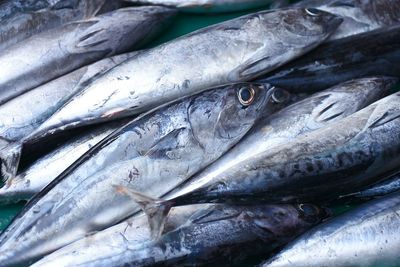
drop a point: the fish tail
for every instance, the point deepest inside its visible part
(10, 156)
(156, 210)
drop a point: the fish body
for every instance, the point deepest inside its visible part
(310, 114)
(27, 23)
(152, 153)
(207, 6)
(56, 52)
(232, 51)
(320, 165)
(197, 235)
(358, 15)
(44, 170)
(366, 236)
(362, 55)
(23, 114)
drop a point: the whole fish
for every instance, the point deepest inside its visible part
(26, 24)
(235, 50)
(214, 234)
(153, 153)
(59, 51)
(358, 15)
(386, 187)
(300, 118)
(44, 170)
(362, 55)
(208, 6)
(339, 158)
(23, 114)
(366, 236)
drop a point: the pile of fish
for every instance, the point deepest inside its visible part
(227, 146)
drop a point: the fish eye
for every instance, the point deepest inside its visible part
(246, 96)
(279, 96)
(308, 210)
(313, 12)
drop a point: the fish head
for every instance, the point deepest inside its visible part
(308, 24)
(225, 114)
(287, 219)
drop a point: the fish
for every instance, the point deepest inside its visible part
(321, 165)
(232, 51)
(213, 234)
(45, 169)
(29, 22)
(61, 50)
(153, 153)
(358, 15)
(365, 236)
(47, 98)
(362, 55)
(207, 6)
(387, 186)
(23, 114)
(304, 116)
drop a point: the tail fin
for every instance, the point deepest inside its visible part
(156, 210)
(9, 157)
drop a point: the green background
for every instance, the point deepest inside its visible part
(183, 24)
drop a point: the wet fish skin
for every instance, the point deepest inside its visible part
(319, 166)
(162, 148)
(26, 24)
(23, 114)
(358, 15)
(310, 114)
(386, 187)
(212, 234)
(56, 52)
(114, 240)
(44, 170)
(369, 54)
(11, 7)
(207, 6)
(369, 234)
(248, 46)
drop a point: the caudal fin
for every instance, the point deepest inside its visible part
(156, 210)
(10, 156)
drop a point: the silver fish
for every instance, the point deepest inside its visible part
(358, 15)
(23, 114)
(56, 52)
(307, 115)
(362, 55)
(116, 240)
(214, 234)
(153, 153)
(339, 158)
(26, 24)
(44, 170)
(235, 50)
(367, 236)
(207, 6)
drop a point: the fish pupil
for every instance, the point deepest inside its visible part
(245, 95)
